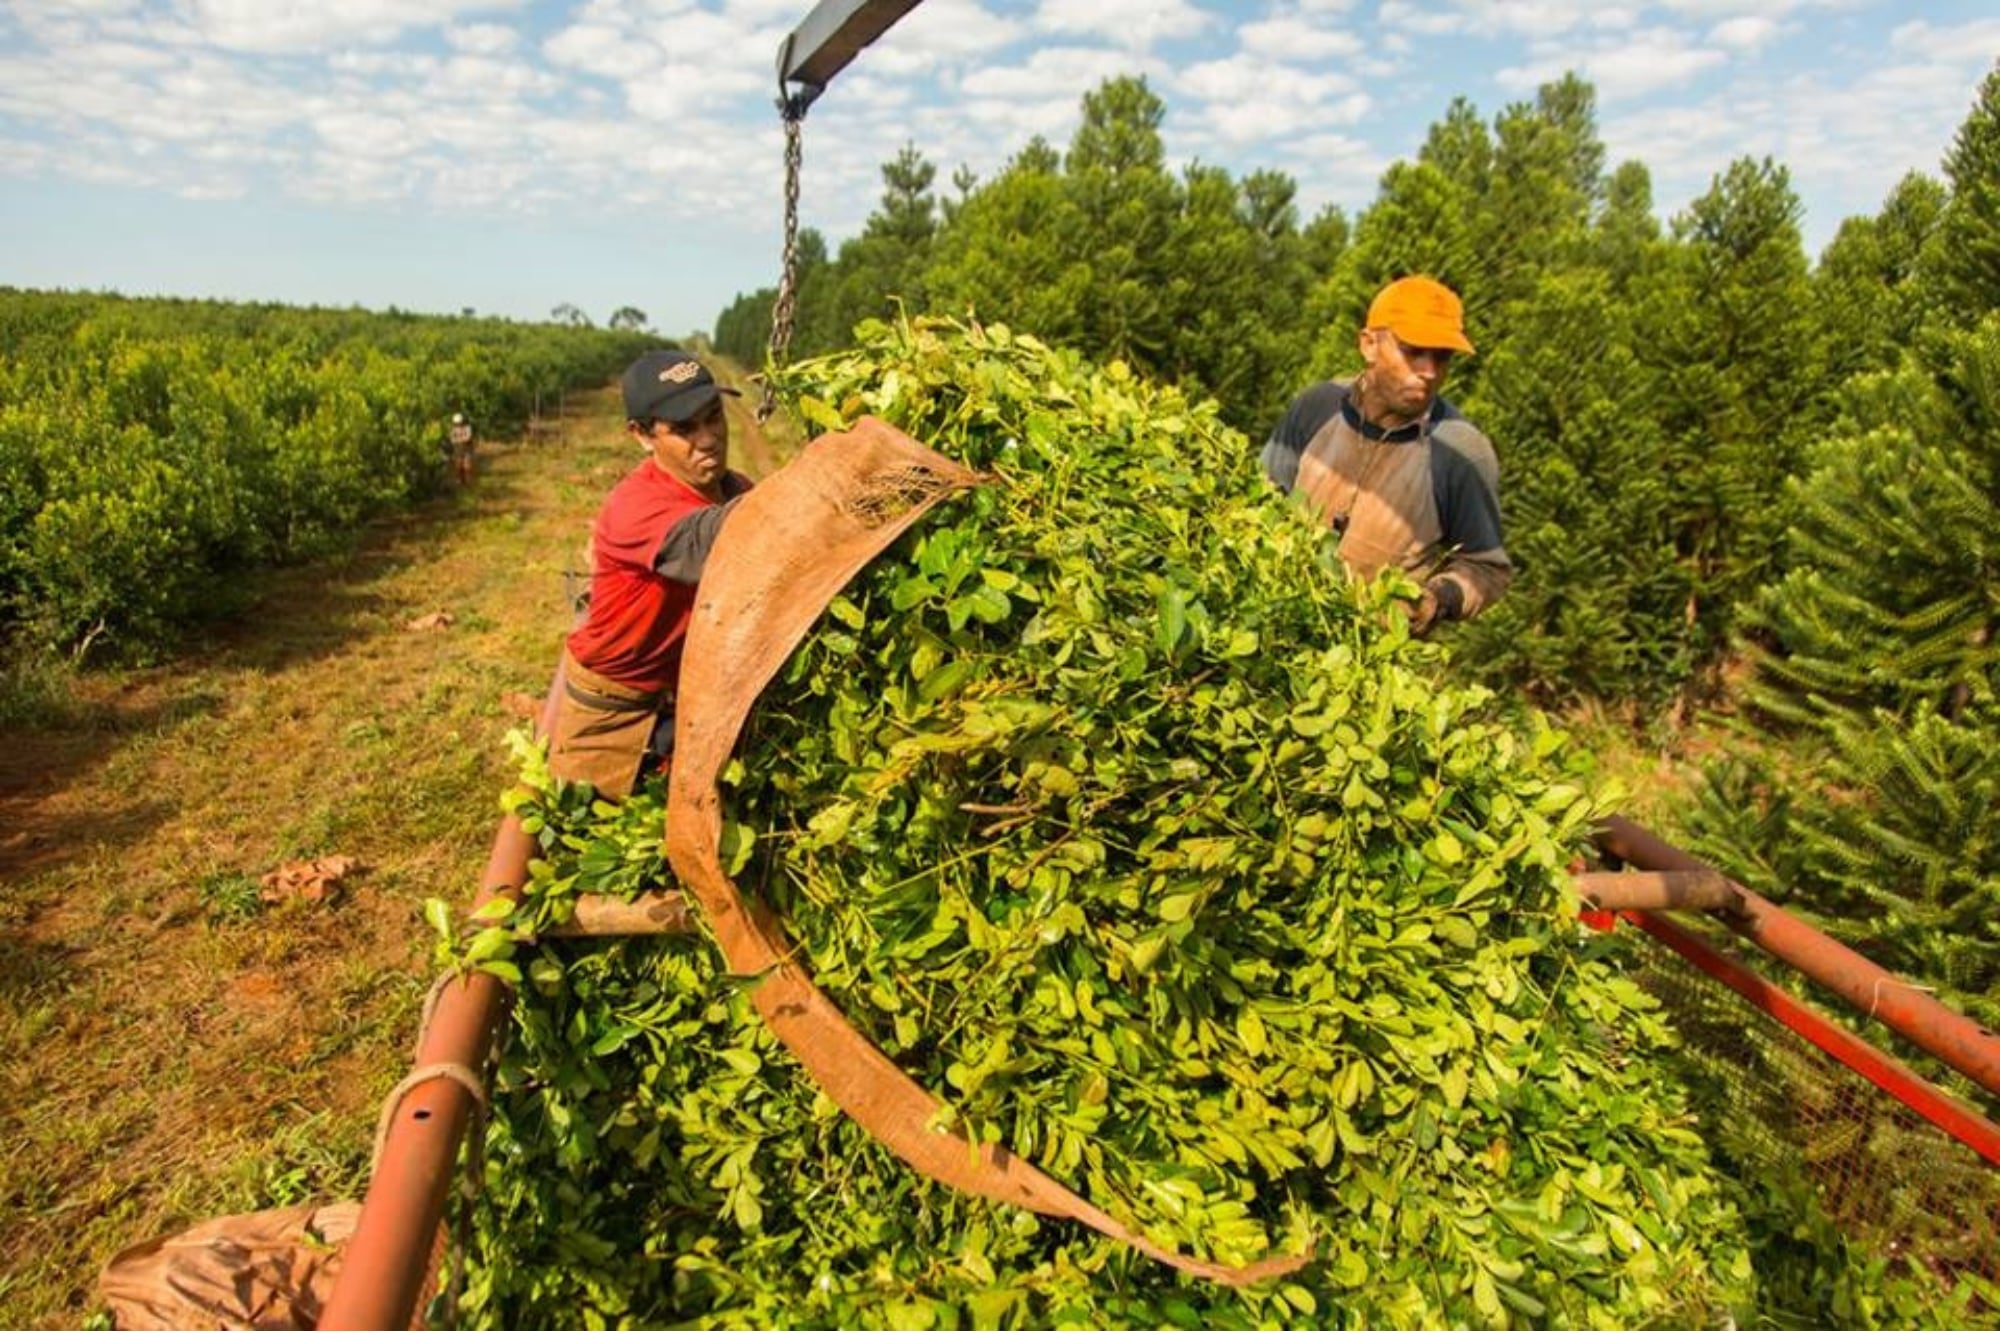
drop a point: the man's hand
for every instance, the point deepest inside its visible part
(1442, 600)
(1423, 613)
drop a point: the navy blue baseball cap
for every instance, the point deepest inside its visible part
(669, 385)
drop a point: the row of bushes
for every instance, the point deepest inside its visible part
(151, 449)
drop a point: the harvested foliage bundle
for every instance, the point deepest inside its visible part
(1116, 816)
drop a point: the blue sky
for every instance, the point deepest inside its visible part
(439, 154)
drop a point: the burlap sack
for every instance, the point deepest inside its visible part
(271, 1270)
(793, 543)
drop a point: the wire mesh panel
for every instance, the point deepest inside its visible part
(1785, 1110)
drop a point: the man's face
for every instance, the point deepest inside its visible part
(696, 451)
(1406, 378)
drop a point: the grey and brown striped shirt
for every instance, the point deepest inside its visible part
(1424, 497)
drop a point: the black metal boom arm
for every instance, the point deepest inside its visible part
(831, 36)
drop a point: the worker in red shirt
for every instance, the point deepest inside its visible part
(615, 714)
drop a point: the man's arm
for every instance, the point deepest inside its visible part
(683, 552)
(1465, 477)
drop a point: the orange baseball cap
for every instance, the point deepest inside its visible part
(1423, 312)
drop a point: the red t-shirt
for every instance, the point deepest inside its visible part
(638, 617)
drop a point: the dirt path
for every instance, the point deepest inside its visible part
(170, 1050)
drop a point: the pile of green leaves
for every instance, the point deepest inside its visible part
(1118, 818)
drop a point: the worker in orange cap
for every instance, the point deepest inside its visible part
(1395, 469)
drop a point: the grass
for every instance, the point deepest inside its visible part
(172, 1048)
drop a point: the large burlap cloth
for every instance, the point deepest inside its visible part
(791, 545)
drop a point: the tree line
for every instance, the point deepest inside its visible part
(1731, 476)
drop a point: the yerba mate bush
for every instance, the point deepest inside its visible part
(1111, 812)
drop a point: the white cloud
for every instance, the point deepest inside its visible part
(129, 56)
(597, 48)
(1056, 73)
(941, 33)
(483, 39)
(479, 78)
(264, 26)
(1744, 34)
(1135, 24)
(661, 108)
(764, 13)
(351, 132)
(1292, 38)
(1243, 100)
(1636, 64)
(1333, 169)
(1974, 44)
(1845, 142)
(1495, 18)
(1703, 10)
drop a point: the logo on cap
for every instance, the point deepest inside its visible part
(680, 372)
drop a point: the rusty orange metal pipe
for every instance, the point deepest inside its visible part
(382, 1270)
(1872, 990)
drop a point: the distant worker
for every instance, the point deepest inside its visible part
(1396, 470)
(648, 547)
(461, 448)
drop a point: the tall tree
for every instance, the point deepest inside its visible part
(1875, 798)
(1004, 255)
(1124, 204)
(1626, 233)
(1543, 186)
(1725, 319)
(1868, 290)
(1235, 274)
(1461, 147)
(1597, 610)
(1966, 255)
(743, 329)
(884, 265)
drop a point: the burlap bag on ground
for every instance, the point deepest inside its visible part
(272, 1269)
(791, 545)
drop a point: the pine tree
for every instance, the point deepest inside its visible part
(1544, 182)
(1004, 257)
(884, 266)
(1724, 319)
(1124, 205)
(1966, 256)
(1891, 603)
(1234, 275)
(1596, 610)
(743, 328)
(1868, 291)
(1625, 237)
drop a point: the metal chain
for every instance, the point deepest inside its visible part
(784, 309)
